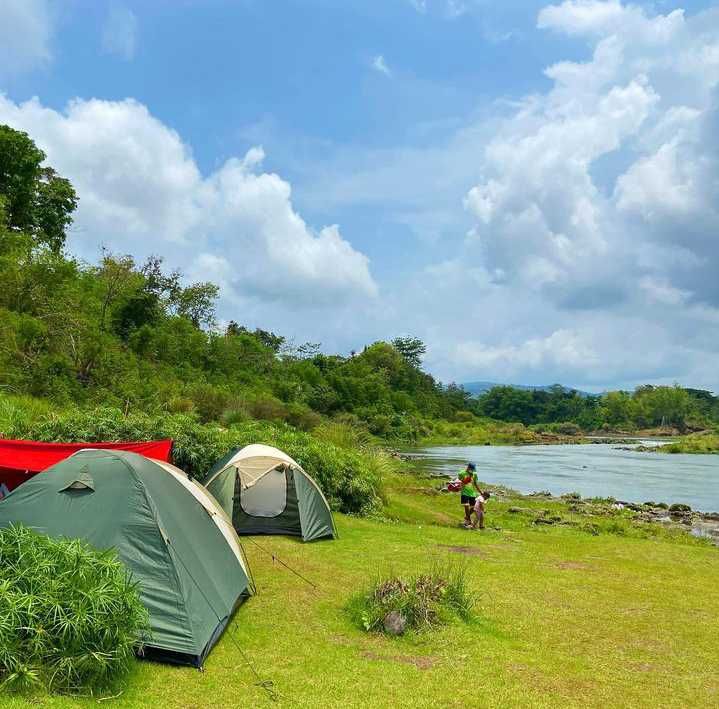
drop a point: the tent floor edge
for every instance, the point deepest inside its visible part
(170, 657)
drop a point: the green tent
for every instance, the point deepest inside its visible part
(264, 491)
(171, 534)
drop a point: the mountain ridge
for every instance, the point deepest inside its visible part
(480, 387)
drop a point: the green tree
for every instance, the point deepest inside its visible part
(35, 199)
(411, 348)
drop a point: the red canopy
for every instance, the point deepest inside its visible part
(20, 460)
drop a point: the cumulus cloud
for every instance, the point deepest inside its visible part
(141, 191)
(25, 32)
(601, 195)
(542, 217)
(119, 35)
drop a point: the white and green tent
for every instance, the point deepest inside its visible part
(264, 491)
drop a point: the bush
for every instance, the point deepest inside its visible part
(267, 408)
(424, 601)
(351, 479)
(209, 402)
(568, 428)
(303, 417)
(70, 617)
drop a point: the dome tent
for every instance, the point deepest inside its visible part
(174, 538)
(264, 491)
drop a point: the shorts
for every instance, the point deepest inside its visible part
(467, 500)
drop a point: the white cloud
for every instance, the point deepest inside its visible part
(580, 17)
(563, 349)
(141, 191)
(450, 9)
(119, 35)
(593, 253)
(380, 65)
(25, 32)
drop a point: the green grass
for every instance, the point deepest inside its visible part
(623, 615)
(694, 443)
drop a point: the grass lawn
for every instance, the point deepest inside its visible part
(628, 617)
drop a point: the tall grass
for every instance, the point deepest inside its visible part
(424, 601)
(70, 617)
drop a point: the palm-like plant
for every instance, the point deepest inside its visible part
(70, 617)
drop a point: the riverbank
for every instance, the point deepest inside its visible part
(604, 611)
(488, 432)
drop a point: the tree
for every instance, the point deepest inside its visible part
(35, 199)
(411, 348)
(196, 303)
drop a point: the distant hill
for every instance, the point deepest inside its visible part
(477, 388)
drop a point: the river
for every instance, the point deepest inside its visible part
(593, 470)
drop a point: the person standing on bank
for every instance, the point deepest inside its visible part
(479, 503)
(469, 492)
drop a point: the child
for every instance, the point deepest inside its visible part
(479, 508)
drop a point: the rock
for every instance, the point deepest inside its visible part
(395, 623)
(714, 516)
(679, 507)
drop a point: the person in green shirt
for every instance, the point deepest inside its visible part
(469, 492)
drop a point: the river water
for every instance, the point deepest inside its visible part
(593, 470)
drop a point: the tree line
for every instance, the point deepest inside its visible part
(137, 336)
(646, 407)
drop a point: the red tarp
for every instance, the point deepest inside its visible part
(20, 460)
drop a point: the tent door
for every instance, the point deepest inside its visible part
(267, 497)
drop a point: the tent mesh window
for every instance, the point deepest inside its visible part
(267, 497)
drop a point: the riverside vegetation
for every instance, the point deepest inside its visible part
(140, 339)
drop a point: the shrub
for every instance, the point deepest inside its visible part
(568, 428)
(70, 617)
(209, 402)
(267, 408)
(351, 479)
(303, 417)
(424, 601)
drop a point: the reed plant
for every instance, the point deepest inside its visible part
(71, 619)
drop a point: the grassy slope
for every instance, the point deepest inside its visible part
(565, 619)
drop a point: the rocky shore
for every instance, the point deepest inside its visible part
(677, 515)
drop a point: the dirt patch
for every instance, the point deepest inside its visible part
(572, 566)
(467, 551)
(421, 663)
(342, 640)
(641, 666)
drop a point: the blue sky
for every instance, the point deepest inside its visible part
(522, 184)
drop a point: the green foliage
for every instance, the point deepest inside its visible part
(351, 479)
(411, 348)
(425, 601)
(648, 407)
(697, 443)
(34, 199)
(70, 616)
